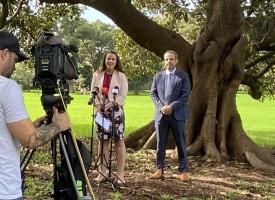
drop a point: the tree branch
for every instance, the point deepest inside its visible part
(265, 69)
(4, 13)
(267, 42)
(16, 12)
(260, 59)
(140, 28)
(253, 83)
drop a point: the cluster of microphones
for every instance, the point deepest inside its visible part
(104, 91)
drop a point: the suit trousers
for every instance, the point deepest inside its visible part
(162, 130)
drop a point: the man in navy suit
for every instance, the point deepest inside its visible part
(169, 92)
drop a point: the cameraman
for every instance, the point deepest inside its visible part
(15, 125)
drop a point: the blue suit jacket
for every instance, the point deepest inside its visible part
(179, 95)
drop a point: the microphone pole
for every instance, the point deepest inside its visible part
(91, 101)
(114, 92)
(102, 157)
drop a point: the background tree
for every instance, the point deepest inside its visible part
(140, 64)
(92, 40)
(24, 76)
(27, 19)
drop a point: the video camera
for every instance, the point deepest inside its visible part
(54, 61)
(55, 64)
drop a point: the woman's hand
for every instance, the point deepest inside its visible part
(97, 108)
(109, 105)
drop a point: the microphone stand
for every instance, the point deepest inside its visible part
(101, 156)
(113, 109)
(92, 101)
(112, 138)
(101, 159)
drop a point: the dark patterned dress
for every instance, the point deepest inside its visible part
(118, 123)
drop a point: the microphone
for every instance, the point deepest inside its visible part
(105, 91)
(115, 90)
(93, 94)
(95, 91)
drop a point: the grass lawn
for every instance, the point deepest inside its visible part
(139, 111)
(257, 117)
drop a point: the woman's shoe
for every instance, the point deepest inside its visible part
(120, 182)
(100, 179)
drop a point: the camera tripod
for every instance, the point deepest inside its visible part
(69, 174)
(101, 161)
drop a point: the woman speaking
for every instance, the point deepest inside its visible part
(111, 85)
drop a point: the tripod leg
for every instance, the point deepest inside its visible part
(23, 165)
(103, 153)
(68, 164)
(121, 158)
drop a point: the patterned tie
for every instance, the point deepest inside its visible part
(168, 85)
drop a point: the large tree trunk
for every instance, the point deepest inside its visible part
(215, 127)
(216, 62)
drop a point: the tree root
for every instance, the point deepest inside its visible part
(137, 138)
(195, 147)
(257, 162)
(151, 142)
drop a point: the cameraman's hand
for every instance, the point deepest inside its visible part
(61, 120)
(38, 122)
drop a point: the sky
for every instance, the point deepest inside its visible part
(92, 15)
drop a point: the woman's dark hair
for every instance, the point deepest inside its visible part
(118, 63)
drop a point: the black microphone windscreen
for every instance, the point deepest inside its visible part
(95, 91)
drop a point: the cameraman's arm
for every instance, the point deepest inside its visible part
(32, 137)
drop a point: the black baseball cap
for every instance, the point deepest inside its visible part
(10, 42)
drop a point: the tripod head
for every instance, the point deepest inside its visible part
(48, 101)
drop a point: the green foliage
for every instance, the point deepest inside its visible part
(176, 9)
(140, 64)
(183, 17)
(115, 195)
(230, 196)
(24, 76)
(92, 39)
(166, 197)
(37, 187)
(33, 18)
